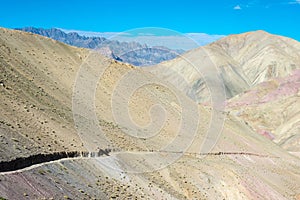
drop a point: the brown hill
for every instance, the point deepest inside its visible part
(241, 61)
(50, 103)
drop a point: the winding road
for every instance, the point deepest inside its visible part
(27, 163)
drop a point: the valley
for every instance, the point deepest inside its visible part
(171, 130)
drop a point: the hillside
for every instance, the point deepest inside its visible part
(272, 108)
(241, 62)
(59, 98)
(262, 55)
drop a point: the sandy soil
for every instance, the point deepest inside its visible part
(37, 83)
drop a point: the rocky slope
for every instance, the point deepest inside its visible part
(129, 52)
(49, 97)
(262, 55)
(260, 71)
(241, 62)
(272, 108)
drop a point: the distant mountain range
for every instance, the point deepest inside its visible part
(130, 52)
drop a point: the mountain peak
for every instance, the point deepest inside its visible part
(261, 55)
(257, 32)
(258, 37)
(242, 37)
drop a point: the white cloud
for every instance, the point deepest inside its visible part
(186, 41)
(237, 7)
(295, 2)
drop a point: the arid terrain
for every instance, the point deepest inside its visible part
(67, 113)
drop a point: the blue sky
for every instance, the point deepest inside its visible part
(221, 17)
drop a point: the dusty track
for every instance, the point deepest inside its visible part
(33, 161)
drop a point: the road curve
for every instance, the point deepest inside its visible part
(33, 161)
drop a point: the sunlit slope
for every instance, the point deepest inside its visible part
(36, 76)
(262, 55)
(49, 75)
(272, 108)
(241, 61)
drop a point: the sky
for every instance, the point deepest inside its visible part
(213, 17)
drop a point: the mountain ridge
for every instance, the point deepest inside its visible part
(237, 61)
(130, 52)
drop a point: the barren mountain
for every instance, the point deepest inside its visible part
(262, 55)
(57, 98)
(241, 61)
(258, 69)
